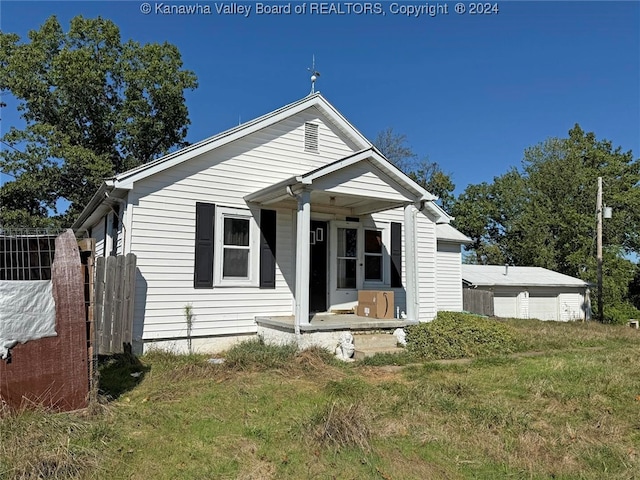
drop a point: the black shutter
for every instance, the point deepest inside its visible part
(267, 249)
(205, 221)
(396, 254)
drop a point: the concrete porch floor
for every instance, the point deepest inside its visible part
(326, 322)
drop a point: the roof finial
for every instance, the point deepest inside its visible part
(314, 75)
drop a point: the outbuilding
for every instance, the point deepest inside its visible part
(530, 292)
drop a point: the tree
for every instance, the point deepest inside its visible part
(93, 106)
(544, 214)
(427, 174)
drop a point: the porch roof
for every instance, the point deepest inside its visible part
(335, 187)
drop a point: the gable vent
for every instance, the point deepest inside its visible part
(311, 137)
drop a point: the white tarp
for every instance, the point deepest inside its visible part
(27, 312)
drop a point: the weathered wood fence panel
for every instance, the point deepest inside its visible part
(477, 301)
(114, 294)
(53, 371)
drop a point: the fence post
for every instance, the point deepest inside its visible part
(129, 296)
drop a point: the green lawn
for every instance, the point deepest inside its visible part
(566, 406)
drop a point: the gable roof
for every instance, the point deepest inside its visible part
(115, 188)
(127, 178)
(513, 276)
(413, 192)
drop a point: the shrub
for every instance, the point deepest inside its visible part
(458, 335)
(620, 314)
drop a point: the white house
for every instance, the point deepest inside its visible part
(266, 224)
(531, 292)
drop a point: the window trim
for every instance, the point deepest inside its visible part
(254, 249)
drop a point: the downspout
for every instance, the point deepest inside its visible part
(413, 293)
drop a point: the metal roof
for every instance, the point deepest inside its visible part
(501, 275)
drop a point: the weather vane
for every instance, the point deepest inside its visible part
(314, 75)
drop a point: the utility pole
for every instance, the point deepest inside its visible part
(599, 248)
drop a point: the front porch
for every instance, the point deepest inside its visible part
(328, 322)
(341, 247)
(326, 330)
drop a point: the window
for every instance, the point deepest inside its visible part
(236, 251)
(373, 265)
(347, 257)
(235, 248)
(229, 249)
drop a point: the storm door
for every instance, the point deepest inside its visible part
(346, 264)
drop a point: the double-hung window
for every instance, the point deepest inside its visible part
(236, 251)
(373, 256)
(231, 250)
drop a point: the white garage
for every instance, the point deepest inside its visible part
(530, 292)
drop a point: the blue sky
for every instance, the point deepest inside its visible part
(471, 92)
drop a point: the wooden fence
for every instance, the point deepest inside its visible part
(52, 371)
(477, 301)
(113, 308)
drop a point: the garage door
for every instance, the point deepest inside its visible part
(505, 303)
(543, 305)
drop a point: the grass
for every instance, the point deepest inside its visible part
(566, 406)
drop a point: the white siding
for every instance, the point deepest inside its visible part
(97, 232)
(541, 303)
(163, 230)
(359, 179)
(522, 303)
(572, 306)
(449, 277)
(559, 304)
(426, 232)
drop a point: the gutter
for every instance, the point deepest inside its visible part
(97, 199)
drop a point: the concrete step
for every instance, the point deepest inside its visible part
(369, 345)
(359, 354)
(375, 340)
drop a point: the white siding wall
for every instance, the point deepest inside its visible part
(449, 277)
(571, 306)
(522, 304)
(541, 303)
(426, 232)
(359, 179)
(97, 232)
(163, 230)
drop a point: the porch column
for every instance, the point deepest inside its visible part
(411, 262)
(303, 226)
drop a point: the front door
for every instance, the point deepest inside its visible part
(318, 268)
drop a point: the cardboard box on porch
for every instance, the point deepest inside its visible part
(375, 304)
